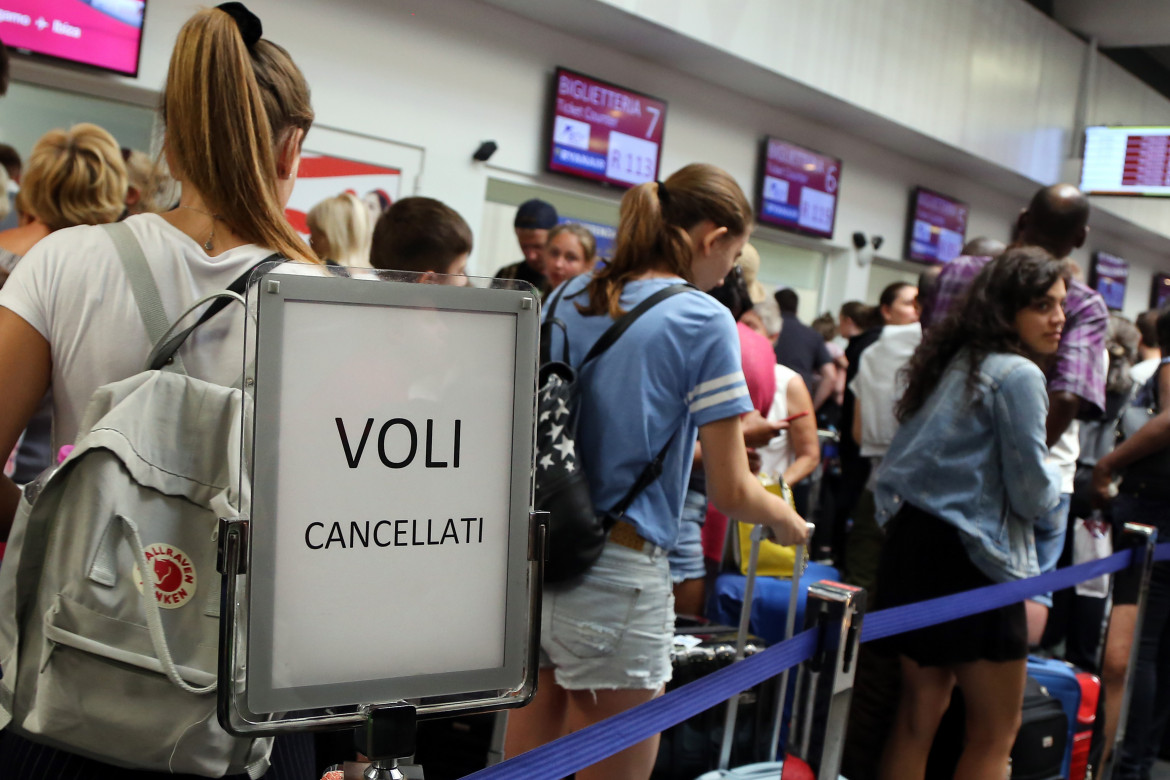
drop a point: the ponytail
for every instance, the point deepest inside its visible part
(654, 230)
(228, 107)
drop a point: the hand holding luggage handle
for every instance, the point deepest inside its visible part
(759, 532)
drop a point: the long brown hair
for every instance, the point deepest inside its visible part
(653, 229)
(983, 321)
(227, 109)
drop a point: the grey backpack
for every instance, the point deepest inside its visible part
(109, 594)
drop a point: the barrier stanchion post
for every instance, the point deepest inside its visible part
(1143, 560)
(824, 686)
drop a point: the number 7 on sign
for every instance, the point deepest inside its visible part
(657, 112)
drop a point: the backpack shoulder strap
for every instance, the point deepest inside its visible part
(650, 473)
(546, 331)
(653, 469)
(163, 352)
(142, 283)
(625, 321)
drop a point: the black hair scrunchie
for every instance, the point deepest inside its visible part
(248, 22)
(663, 195)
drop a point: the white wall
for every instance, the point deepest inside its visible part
(994, 78)
(447, 74)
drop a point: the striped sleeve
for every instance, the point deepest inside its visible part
(719, 390)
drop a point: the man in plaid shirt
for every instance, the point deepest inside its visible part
(1057, 220)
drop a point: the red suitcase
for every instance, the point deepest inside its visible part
(1089, 737)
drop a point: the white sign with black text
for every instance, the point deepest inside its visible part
(391, 492)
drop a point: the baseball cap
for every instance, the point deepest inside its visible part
(535, 214)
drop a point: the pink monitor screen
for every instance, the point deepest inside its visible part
(798, 188)
(938, 227)
(604, 132)
(102, 33)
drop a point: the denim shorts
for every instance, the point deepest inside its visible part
(686, 559)
(614, 627)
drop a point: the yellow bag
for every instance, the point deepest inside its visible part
(775, 560)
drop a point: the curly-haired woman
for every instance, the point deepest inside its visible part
(962, 492)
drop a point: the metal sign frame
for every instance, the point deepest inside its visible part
(248, 556)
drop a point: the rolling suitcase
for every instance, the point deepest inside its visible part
(770, 600)
(1060, 680)
(692, 747)
(767, 768)
(1088, 741)
(1080, 696)
(1041, 742)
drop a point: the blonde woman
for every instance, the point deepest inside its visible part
(570, 251)
(340, 230)
(68, 319)
(73, 177)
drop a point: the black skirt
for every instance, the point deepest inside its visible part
(924, 558)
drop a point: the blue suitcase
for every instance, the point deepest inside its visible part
(769, 601)
(1060, 679)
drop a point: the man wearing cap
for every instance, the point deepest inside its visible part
(533, 220)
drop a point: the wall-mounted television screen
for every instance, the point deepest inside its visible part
(105, 34)
(604, 132)
(1108, 276)
(938, 227)
(1160, 291)
(1126, 161)
(798, 188)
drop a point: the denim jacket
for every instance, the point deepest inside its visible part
(979, 464)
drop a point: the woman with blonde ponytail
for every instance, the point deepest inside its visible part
(674, 374)
(236, 110)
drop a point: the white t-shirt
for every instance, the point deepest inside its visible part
(777, 455)
(878, 387)
(72, 289)
(1064, 453)
(1142, 372)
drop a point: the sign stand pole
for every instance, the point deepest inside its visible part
(387, 735)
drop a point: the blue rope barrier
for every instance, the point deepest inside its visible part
(898, 620)
(592, 744)
(586, 747)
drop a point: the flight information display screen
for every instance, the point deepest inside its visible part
(938, 227)
(798, 188)
(1126, 161)
(1108, 276)
(103, 33)
(603, 132)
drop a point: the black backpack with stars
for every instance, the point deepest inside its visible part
(577, 532)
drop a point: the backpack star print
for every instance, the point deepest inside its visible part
(577, 532)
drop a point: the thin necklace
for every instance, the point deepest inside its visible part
(210, 242)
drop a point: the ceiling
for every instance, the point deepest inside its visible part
(1134, 33)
